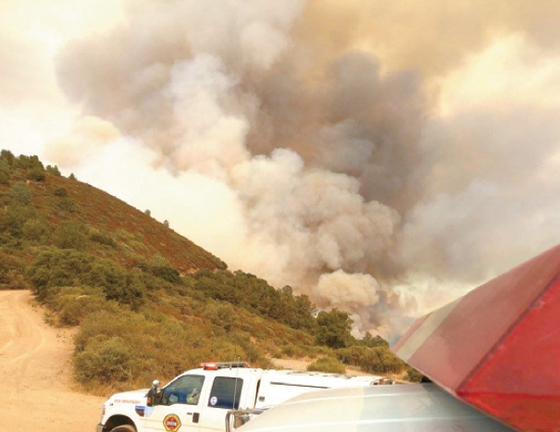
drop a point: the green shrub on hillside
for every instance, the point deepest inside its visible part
(61, 192)
(37, 174)
(221, 314)
(36, 231)
(117, 283)
(153, 284)
(53, 170)
(73, 304)
(4, 172)
(8, 156)
(14, 217)
(413, 375)
(28, 162)
(378, 360)
(334, 328)
(55, 268)
(70, 235)
(355, 355)
(291, 350)
(373, 341)
(167, 273)
(66, 204)
(16, 280)
(327, 364)
(11, 271)
(388, 363)
(105, 360)
(102, 238)
(4, 178)
(21, 193)
(256, 295)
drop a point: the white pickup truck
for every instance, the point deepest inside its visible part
(199, 399)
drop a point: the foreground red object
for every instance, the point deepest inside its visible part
(498, 347)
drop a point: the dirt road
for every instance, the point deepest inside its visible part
(35, 373)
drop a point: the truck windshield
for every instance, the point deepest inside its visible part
(225, 393)
(184, 390)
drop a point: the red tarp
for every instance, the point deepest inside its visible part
(498, 347)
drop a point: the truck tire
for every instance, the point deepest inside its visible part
(124, 428)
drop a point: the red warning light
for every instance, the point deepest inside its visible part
(209, 366)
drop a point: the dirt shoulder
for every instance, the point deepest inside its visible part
(38, 394)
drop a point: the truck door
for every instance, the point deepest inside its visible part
(224, 395)
(178, 407)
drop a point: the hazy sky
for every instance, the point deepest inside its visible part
(381, 156)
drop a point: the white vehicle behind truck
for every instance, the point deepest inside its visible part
(200, 399)
(400, 408)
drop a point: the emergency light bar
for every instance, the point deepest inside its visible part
(223, 365)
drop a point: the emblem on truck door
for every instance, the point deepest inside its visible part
(171, 423)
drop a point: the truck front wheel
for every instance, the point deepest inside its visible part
(124, 428)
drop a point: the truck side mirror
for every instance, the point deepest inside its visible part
(153, 393)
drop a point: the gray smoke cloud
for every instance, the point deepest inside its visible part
(328, 140)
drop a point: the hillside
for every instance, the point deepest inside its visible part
(117, 230)
(146, 301)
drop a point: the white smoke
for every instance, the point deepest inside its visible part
(208, 139)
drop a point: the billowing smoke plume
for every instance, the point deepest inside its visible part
(373, 155)
(320, 151)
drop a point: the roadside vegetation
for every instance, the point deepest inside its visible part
(146, 302)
